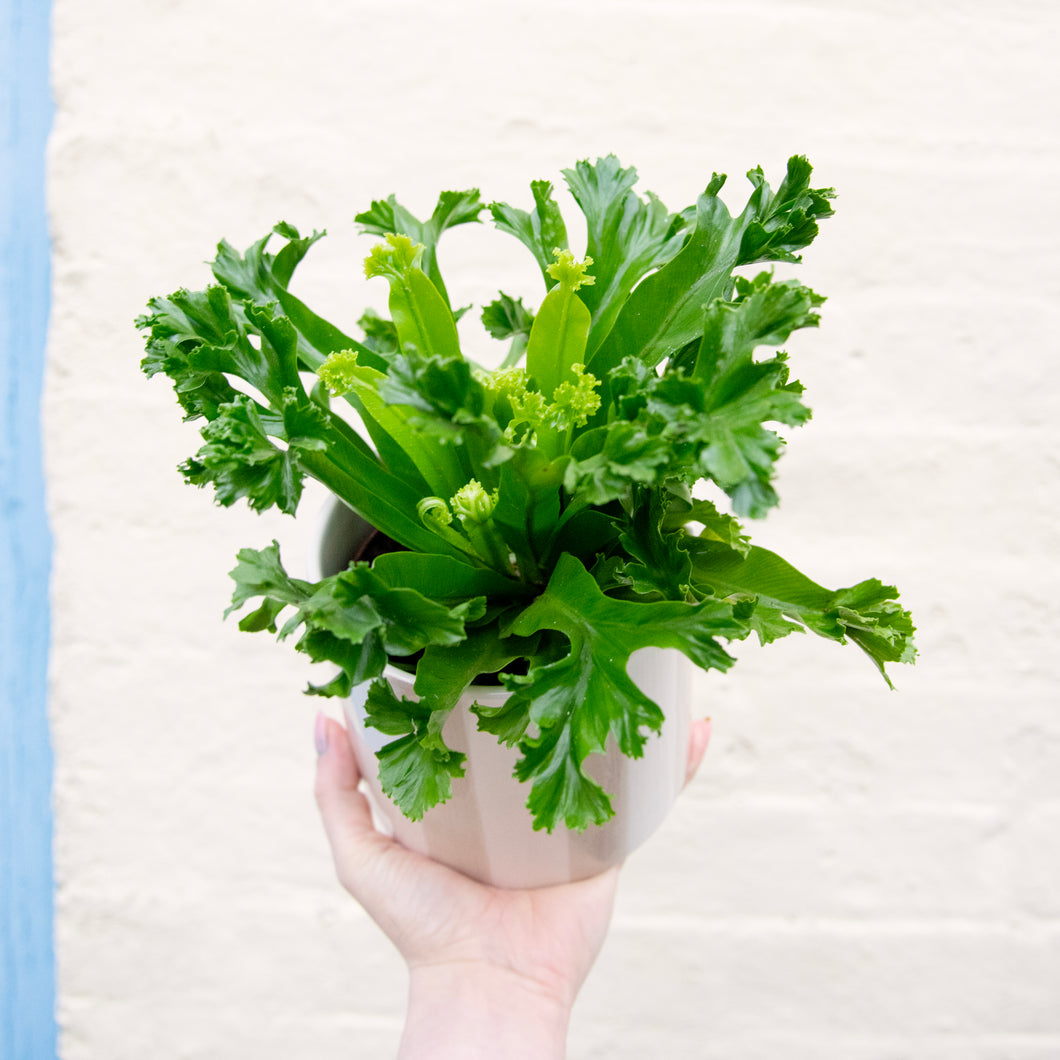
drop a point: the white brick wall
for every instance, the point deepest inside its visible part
(856, 875)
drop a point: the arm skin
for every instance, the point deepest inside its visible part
(492, 972)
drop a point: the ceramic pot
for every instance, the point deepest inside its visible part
(485, 829)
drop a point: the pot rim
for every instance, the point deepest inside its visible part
(391, 671)
(322, 525)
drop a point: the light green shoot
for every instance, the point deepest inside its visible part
(568, 272)
(338, 372)
(473, 504)
(574, 402)
(394, 257)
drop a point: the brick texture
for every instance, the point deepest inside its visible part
(857, 874)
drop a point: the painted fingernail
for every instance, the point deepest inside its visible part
(320, 733)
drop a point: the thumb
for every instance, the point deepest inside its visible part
(344, 810)
(698, 740)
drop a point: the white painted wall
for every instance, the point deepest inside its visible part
(857, 874)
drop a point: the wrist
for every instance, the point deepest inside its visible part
(471, 1010)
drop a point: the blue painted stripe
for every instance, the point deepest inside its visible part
(27, 964)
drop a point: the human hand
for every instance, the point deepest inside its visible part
(493, 972)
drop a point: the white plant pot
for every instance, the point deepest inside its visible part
(485, 830)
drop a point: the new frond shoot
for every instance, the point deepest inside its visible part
(545, 509)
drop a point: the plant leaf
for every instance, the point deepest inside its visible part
(775, 225)
(386, 216)
(414, 773)
(444, 578)
(354, 618)
(658, 562)
(541, 230)
(576, 702)
(665, 312)
(241, 461)
(609, 461)
(425, 325)
(439, 468)
(260, 278)
(627, 237)
(867, 613)
(763, 312)
(507, 318)
(716, 525)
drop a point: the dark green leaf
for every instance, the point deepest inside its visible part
(575, 702)
(763, 313)
(453, 208)
(722, 424)
(357, 600)
(256, 274)
(541, 230)
(260, 572)
(777, 224)
(528, 508)
(414, 773)
(451, 404)
(354, 618)
(627, 237)
(665, 312)
(609, 461)
(240, 460)
(658, 561)
(443, 578)
(714, 415)
(260, 278)
(380, 335)
(716, 526)
(506, 317)
(867, 613)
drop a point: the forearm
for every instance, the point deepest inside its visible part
(476, 1013)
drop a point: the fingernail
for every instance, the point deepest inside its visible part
(320, 733)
